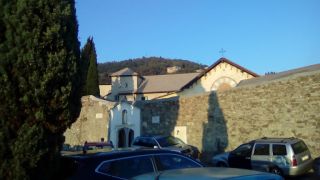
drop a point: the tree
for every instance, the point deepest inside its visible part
(90, 78)
(39, 91)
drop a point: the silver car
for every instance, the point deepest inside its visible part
(283, 156)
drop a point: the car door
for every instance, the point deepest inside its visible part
(241, 157)
(261, 158)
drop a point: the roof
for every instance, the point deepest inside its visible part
(221, 60)
(127, 152)
(125, 72)
(281, 75)
(163, 83)
(206, 173)
(277, 140)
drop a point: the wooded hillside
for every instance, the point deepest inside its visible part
(145, 66)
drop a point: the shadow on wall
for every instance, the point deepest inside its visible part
(159, 117)
(215, 134)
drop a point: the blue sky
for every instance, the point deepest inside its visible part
(261, 35)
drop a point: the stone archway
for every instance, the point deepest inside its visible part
(122, 138)
(223, 83)
(125, 137)
(224, 86)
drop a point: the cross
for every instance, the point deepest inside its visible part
(222, 51)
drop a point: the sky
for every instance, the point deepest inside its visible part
(260, 35)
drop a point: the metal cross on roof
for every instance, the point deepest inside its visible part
(222, 51)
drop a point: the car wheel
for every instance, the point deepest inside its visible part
(275, 170)
(221, 164)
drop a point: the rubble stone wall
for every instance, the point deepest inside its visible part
(221, 121)
(92, 123)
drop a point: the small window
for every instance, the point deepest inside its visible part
(143, 98)
(127, 168)
(261, 149)
(279, 150)
(124, 117)
(167, 162)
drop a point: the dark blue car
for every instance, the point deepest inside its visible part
(125, 164)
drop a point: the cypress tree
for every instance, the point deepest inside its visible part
(39, 84)
(90, 78)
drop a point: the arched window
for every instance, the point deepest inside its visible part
(124, 117)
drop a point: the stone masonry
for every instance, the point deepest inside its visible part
(92, 123)
(217, 122)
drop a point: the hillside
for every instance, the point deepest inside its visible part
(145, 66)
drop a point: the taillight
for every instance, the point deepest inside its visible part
(294, 161)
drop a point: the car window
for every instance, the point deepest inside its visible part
(279, 150)
(146, 142)
(127, 168)
(169, 141)
(167, 162)
(261, 149)
(243, 150)
(299, 147)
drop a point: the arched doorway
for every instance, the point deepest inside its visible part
(121, 138)
(131, 137)
(125, 137)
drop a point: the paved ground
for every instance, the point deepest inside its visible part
(308, 176)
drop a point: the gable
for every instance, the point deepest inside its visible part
(225, 64)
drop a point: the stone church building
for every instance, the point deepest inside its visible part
(131, 86)
(215, 110)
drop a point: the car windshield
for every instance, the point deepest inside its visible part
(299, 147)
(169, 141)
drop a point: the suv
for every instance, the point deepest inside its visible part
(167, 143)
(283, 156)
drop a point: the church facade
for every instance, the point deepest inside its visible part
(222, 75)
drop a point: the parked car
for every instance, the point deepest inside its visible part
(168, 143)
(316, 167)
(212, 173)
(124, 164)
(283, 156)
(88, 147)
(92, 147)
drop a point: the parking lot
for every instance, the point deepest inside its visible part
(309, 176)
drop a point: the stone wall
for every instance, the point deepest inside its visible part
(288, 107)
(92, 123)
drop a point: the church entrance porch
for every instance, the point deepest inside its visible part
(124, 125)
(125, 137)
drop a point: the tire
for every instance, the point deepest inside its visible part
(275, 170)
(221, 164)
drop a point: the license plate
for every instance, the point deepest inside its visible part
(306, 157)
